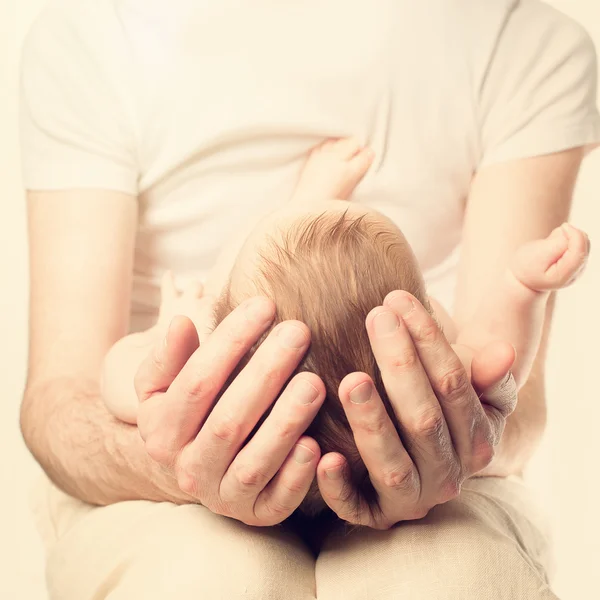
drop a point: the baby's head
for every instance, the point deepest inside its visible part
(328, 265)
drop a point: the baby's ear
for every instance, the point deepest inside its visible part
(444, 320)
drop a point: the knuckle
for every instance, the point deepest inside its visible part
(426, 332)
(187, 483)
(227, 429)
(236, 337)
(454, 385)
(251, 477)
(404, 360)
(285, 430)
(373, 425)
(399, 479)
(203, 386)
(276, 511)
(451, 489)
(295, 487)
(429, 425)
(270, 375)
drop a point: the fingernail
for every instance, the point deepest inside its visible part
(291, 336)
(334, 473)
(385, 323)
(303, 455)
(361, 393)
(259, 310)
(403, 304)
(306, 392)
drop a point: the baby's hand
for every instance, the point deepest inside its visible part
(554, 262)
(333, 170)
(514, 310)
(190, 303)
(122, 361)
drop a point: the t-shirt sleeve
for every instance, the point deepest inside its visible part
(76, 121)
(537, 94)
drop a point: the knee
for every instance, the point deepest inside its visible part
(453, 553)
(162, 551)
(220, 558)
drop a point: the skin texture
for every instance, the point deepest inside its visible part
(78, 313)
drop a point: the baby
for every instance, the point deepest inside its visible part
(328, 263)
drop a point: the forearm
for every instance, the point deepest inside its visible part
(85, 451)
(526, 426)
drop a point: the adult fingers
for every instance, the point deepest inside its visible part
(467, 422)
(339, 494)
(420, 416)
(246, 400)
(285, 492)
(193, 392)
(261, 458)
(391, 469)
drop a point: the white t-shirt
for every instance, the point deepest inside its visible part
(206, 110)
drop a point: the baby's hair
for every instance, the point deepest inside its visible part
(329, 272)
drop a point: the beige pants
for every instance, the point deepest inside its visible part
(489, 544)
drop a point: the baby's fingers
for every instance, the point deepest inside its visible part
(193, 291)
(168, 297)
(554, 262)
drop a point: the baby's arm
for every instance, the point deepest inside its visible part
(125, 356)
(515, 312)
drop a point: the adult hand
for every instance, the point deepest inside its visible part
(204, 445)
(447, 433)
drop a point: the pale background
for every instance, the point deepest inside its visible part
(566, 470)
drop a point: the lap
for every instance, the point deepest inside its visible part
(157, 551)
(489, 544)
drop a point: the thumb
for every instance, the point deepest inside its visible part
(160, 368)
(492, 365)
(494, 382)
